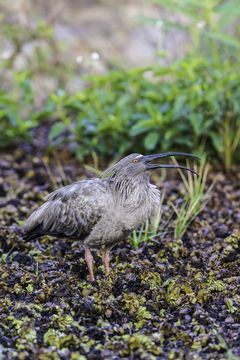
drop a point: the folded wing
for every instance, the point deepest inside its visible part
(71, 211)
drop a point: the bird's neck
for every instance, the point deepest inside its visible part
(132, 193)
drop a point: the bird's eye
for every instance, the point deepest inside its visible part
(135, 160)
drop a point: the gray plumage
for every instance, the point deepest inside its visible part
(101, 212)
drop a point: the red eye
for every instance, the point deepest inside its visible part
(135, 160)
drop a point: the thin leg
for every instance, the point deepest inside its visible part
(89, 260)
(106, 259)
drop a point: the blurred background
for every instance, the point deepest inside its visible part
(109, 77)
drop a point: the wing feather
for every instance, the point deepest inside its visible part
(72, 210)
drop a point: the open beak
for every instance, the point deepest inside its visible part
(149, 158)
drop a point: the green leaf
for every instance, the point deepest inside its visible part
(224, 38)
(229, 11)
(217, 143)
(151, 140)
(197, 123)
(142, 126)
(56, 130)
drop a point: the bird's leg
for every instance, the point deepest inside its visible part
(106, 259)
(89, 260)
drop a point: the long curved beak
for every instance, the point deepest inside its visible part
(149, 158)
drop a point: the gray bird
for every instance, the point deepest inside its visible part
(101, 212)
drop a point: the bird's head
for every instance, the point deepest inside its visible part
(135, 165)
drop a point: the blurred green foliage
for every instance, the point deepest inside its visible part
(16, 117)
(183, 107)
(37, 50)
(192, 105)
(212, 25)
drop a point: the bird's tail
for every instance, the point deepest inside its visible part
(31, 235)
(32, 228)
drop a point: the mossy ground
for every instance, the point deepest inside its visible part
(165, 300)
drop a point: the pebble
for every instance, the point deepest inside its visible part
(11, 209)
(229, 319)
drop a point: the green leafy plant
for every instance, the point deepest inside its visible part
(195, 200)
(210, 24)
(6, 257)
(229, 140)
(141, 235)
(190, 105)
(16, 117)
(182, 109)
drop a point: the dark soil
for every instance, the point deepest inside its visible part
(168, 299)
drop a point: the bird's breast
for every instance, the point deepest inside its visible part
(138, 207)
